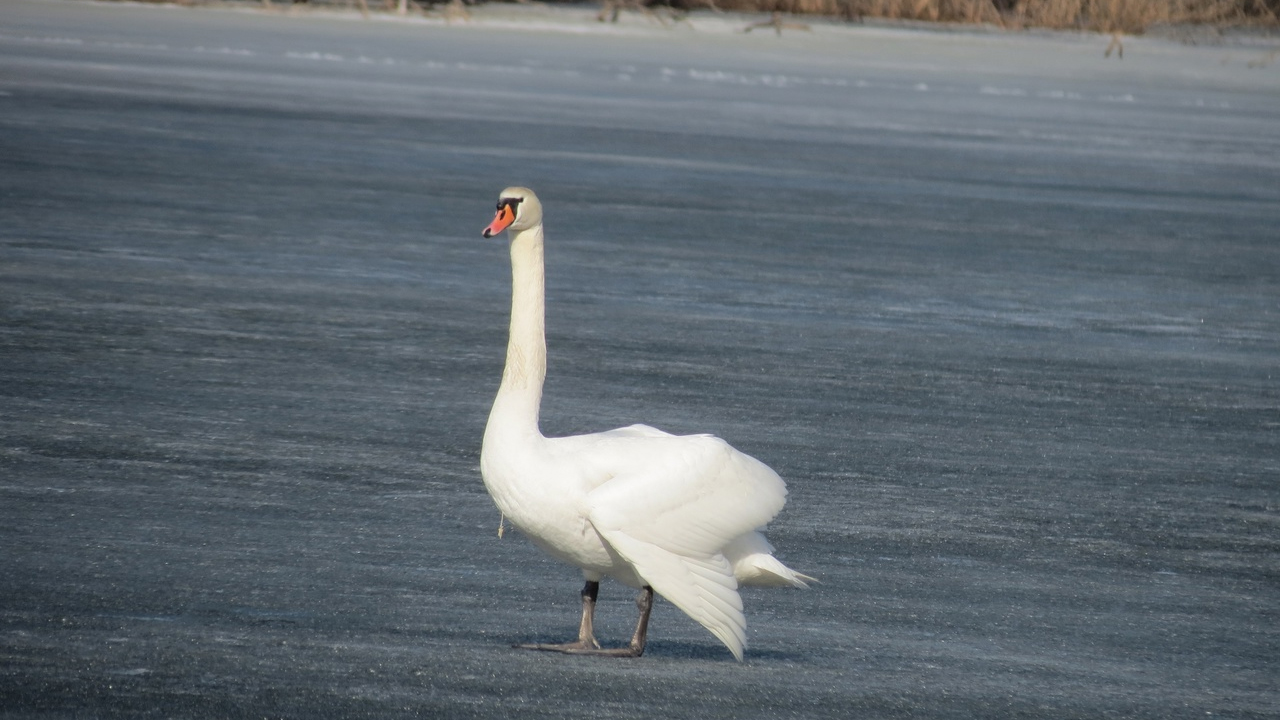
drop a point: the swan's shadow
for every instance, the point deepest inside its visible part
(682, 650)
(690, 650)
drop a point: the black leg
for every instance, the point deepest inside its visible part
(645, 603)
(586, 643)
(586, 629)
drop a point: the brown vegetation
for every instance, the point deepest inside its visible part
(1106, 16)
(1101, 15)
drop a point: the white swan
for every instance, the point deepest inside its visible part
(679, 516)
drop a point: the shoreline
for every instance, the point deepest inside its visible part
(582, 18)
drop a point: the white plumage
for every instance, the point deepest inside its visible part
(678, 514)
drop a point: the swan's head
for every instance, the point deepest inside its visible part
(518, 209)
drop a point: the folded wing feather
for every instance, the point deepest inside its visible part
(672, 517)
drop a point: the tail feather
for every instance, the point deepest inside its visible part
(753, 563)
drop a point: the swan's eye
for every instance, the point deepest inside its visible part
(510, 202)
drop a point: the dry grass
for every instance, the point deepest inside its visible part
(1128, 16)
(1106, 16)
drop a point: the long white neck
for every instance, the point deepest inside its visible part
(515, 410)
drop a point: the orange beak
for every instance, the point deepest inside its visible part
(501, 221)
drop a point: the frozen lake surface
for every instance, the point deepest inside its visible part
(1004, 312)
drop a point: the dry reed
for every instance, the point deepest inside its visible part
(1106, 16)
(1127, 16)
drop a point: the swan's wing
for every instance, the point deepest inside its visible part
(703, 587)
(637, 430)
(672, 511)
(692, 493)
(602, 451)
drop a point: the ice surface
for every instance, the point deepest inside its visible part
(1004, 312)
